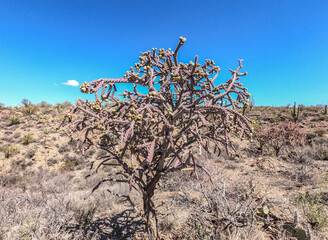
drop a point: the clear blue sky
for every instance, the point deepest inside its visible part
(45, 43)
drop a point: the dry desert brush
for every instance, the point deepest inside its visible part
(149, 133)
(281, 135)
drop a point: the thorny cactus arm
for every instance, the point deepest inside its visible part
(153, 133)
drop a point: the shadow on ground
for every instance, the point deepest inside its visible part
(121, 226)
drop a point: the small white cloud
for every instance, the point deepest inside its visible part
(73, 83)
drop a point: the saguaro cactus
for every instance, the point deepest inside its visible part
(296, 113)
(152, 133)
(326, 110)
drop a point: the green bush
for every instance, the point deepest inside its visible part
(9, 150)
(27, 139)
(67, 166)
(320, 132)
(70, 162)
(29, 110)
(313, 209)
(14, 120)
(46, 131)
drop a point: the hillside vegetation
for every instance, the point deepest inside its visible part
(260, 193)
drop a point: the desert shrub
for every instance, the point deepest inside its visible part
(262, 139)
(2, 106)
(42, 118)
(310, 136)
(89, 153)
(45, 107)
(67, 166)
(27, 139)
(173, 107)
(320, 132)
(8, 180)
(53, 209)
(31, 152)
(14, 120)
(302, 174)
(280, 135)
(322, 118)
(64, 148)
(256, 125)
(18, 163)
(319, 151)
(234, 212)
(25, 102)
(67, 104)
(52, 161)
(313, 207)
(29, 110)
(71, 162)
(44, 104)
(46, 130)
(62, 106)
(9, 150)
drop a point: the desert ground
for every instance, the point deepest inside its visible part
(254, 195)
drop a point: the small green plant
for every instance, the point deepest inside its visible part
(9, 150)
(14, 120)
(42, 118)
(46, 131)
(27, 139)
(27, 228)
(67, 166)
(313, 209)
(320, 132)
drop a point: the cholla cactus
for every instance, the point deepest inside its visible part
(153, 132)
